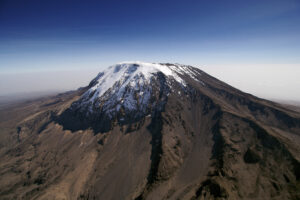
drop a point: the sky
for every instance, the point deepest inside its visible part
(60, 45)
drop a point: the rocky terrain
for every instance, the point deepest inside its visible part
(150, 131)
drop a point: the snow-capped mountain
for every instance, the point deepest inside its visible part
(144, 131)
(130, 90)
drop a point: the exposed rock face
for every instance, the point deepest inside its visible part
(150, 131)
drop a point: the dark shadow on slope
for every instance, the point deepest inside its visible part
(213, 188)
(219, 143)
(155, 129)
(75, 121)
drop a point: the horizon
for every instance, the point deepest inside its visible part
(61, 45)
(83, 78)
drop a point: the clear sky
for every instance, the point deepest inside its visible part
(252, 44)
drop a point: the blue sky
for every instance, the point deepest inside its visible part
(60, 35)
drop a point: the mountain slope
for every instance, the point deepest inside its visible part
(151, 131)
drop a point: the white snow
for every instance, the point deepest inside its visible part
(132, 73)
(126, 85)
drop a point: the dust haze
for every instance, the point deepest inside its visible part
(277, 82)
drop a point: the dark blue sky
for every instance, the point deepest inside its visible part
(55, 34)
(253, 45)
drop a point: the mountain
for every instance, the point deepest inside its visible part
(150, 131)
(127, 92)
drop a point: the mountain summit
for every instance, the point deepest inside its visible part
(130, 90)
(151, 131)
(131, 86)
